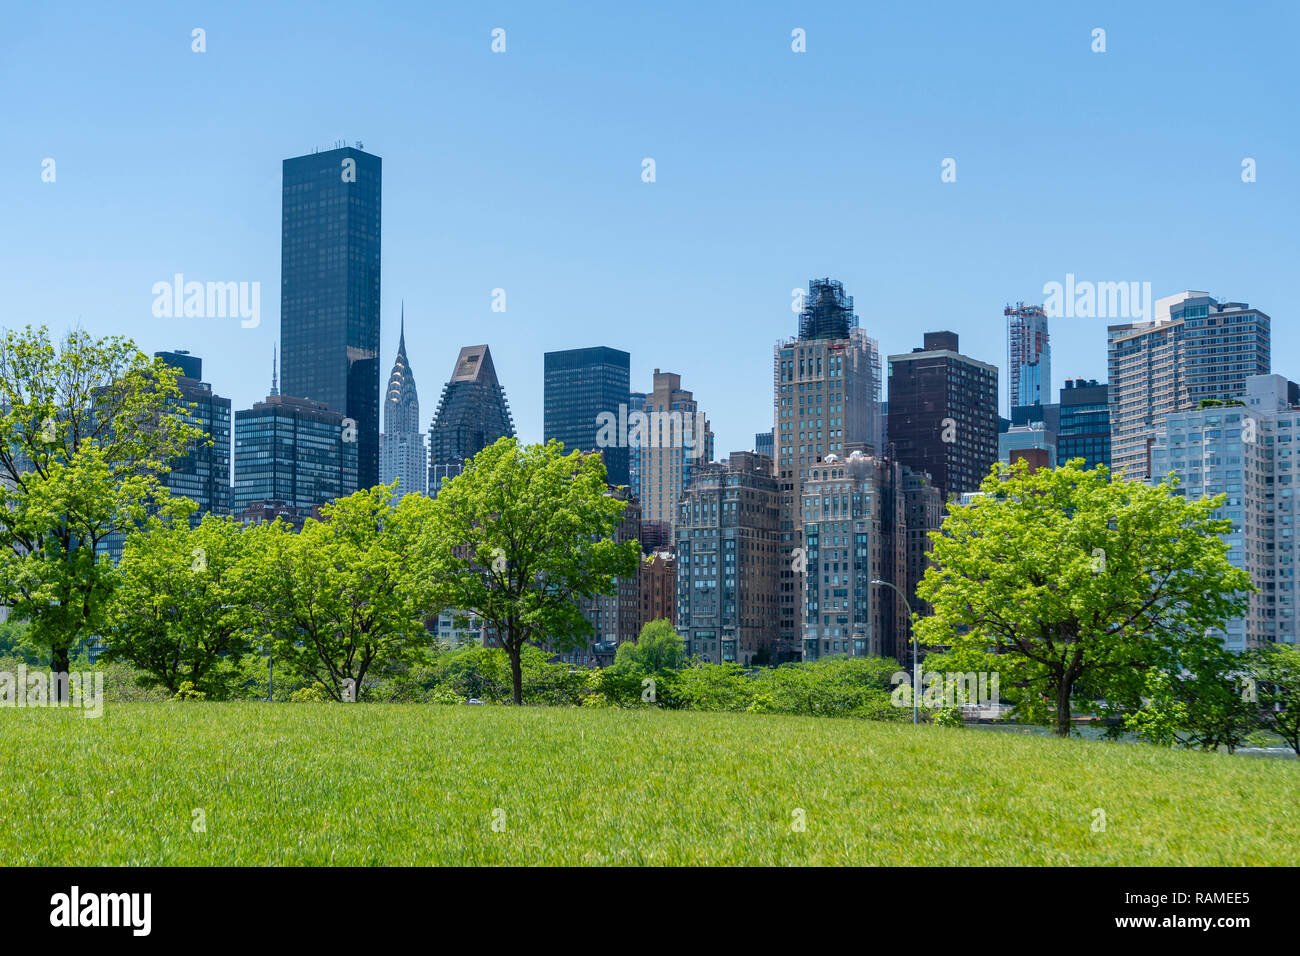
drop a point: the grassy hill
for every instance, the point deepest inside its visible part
(423, 784)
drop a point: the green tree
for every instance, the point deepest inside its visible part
(85, 431)
(1197, 698)
(658, 648)
(520, 537)
(345, 594)
(179, 612)
(1072, 576)
(1277, 675)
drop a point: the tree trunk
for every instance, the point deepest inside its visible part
(59, 665)
(517, 672)
(1063, 708)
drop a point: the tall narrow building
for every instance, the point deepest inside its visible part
(676, 441)
(1029, 356)
(329, 290)
(472, 414)
(728, 561)
(203, 474)
(582, 390)
(1195, 348)
(827, 386)
(403, 456)
(943, 413)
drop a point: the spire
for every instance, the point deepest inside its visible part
(275, 376)
(401, 341)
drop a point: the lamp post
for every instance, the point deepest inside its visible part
(907, 604)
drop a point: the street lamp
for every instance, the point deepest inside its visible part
(907, 604)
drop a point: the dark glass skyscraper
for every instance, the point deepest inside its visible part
(472, 414)
(329, 290)
(204, 473)
(1084, 430)
(292, 450)
(580, 386)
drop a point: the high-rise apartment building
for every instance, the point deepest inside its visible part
(1251, 453)
(943, 413)
(658, 586)
(403, 456)
(635, 403)
(203, 474)
(923, 512)
(827, 386)
(1084, 430)
(583, 390)
(1195, 348)
(329, 290)
(472, 413)
(728, 561)
(295, 451)
(1029, 355)
(854, 532)
(676, 439)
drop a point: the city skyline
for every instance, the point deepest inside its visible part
(532, 199)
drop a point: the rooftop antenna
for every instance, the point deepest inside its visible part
(275, 378)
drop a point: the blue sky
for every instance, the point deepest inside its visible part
(522, 171)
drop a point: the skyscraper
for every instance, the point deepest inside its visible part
(472, 414)
(1195, 348)
(728, 561)
(943, 413)
(1029, 355)
(329, 290)
(1085, 423)
(677, 440)
(582, 389)
(292, 450)
(1245, 451)
(403, 456)
(203, 474)
(854, 532)
(827, 386)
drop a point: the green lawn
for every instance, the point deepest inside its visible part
(419, 784)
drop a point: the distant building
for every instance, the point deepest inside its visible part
(403, 456)
(614, 618)
(676, 440)
(329, 290)
(763, 444)
(1084, 430)
(203, 474)
(472, 413)
(1249, 453)
(943, 413)
(295, 451)
(635, 403)
(1029, 355)
(658, 587)
(853, 534)
(1019, 438)
(728, 561)
(923, 512)
(827, 396)
(582, 388)
(1195, 348)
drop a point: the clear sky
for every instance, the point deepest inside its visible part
(522, 171)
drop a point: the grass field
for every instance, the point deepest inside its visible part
(423, 784)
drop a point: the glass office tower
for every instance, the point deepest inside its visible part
(329, 290)
(580, 386)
